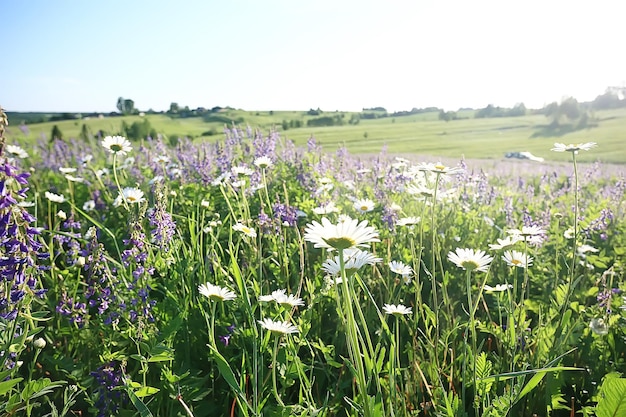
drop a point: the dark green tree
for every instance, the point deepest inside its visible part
(126, 106)
(84, 133)
(56, 134)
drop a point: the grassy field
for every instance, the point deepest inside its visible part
(420, 134)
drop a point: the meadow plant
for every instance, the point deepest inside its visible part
(251, 277)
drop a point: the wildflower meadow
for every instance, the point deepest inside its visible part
(251, 277)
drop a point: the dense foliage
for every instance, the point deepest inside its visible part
(223, 279)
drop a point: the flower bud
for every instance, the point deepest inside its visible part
(39, 343)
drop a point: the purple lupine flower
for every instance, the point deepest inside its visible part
(20, 250)
(288, 215)
(267, 225)
(110, 398)
(264, 145)
(163, 226)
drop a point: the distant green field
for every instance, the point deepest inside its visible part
(416, 134)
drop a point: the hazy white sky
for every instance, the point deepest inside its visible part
(294, 55)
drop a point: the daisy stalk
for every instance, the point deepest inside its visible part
(347, 234)
(471, 260)
(263, 164)
(394, 353)
(277, 329)
(352, 334)
(117, 145)
(573, 149)
(433, 268)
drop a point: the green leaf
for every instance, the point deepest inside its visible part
(532, 384)
(613, 398)
(161, 353)
(146, 391)
(509, 375)
(139, 405)
(6, 386)
(229, 376)
(40, 387)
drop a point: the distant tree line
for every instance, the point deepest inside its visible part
(492, 111)
(612, 98)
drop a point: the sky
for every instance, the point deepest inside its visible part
(80, 56)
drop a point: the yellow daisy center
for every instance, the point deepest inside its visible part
(340, 242)
(470, 265)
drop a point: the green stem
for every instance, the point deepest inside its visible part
(570, 282)
(472, 328)
(353, 339)
(433, 272)
(117, 182)
(274, 366)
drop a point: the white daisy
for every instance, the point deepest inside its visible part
(582, 249)
(72, 178)
(65, 170)
(439, 168)
(363, 205)
(161, 159)
(221, 179)
(281, 297)
(242, 171)
(599, 326)
(278, 327)
(506, 242)
(128, 162)
(470, 259)
(498, 288)
(272, 296)
(401, 269)
(354, 259)
(247, 231)
(326, 209)
(396, 208)
(131, 195)
(62, 215)
(102, 172)
(408, 221)
(89, 205)
(118, 145)
(16, 151)
(175, 172)
(263, 162)
(397, 310)
(420, 190)
(574, 148)
(517, 259)
(55, 198)
(531, 234)
(343, 235)
(216, 293)
(324, 188)
(156, 179)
